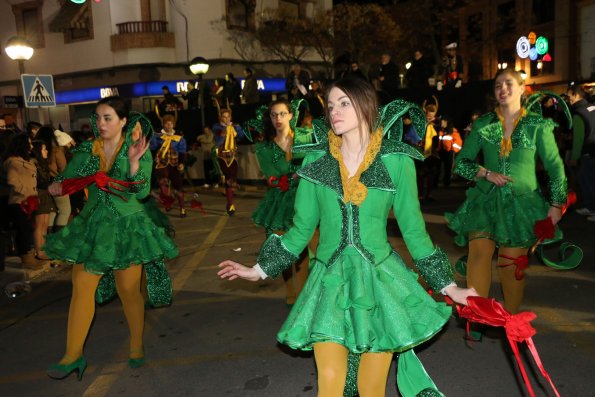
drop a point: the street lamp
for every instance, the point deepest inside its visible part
(20, 50)
(199, 66)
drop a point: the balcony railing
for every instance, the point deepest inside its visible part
(142, 27)
(142, 34)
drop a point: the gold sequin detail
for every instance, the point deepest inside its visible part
(353, 190)
(506, 143)
(98, 151)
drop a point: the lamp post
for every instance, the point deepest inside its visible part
(20, 50)
(199, 66)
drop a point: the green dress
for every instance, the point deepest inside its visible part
(112, 232)
(360, 293)
(275, 211)
(508, 214)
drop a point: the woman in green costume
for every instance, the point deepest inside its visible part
(502, 208)
(279, 164)
(113, 237)
(360, 296)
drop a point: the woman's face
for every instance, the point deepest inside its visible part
(507, 90)
(44, 152)
(280, 116)
(342, 113)
(108, 123)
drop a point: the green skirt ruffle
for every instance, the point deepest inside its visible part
(363, 307)
(275, 211)
(103, 241)
(501, 216)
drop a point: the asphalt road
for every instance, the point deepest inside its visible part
(218, 337)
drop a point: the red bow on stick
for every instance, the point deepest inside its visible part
(545, 228)
(101, 180)
(167, 201)
(282, 183)
(29, 205)
(197, 204)
(517, 327)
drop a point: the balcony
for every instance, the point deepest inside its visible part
(142, 34)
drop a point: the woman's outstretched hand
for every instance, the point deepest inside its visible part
(460, 295)
(233, 270)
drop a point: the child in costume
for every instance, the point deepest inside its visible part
(169, 163)
(115, 238)
(360, 296)
(278, 124)
(502, 208)
(226, 136)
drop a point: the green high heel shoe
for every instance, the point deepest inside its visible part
(61, 371)
(138, 361)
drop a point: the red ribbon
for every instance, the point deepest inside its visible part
(521, 263)
(517, 328)
(197, 204)
(281, 183)
(101, 180)
(167, 201)
(29, 205)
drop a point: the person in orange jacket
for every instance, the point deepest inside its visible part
(450, 143)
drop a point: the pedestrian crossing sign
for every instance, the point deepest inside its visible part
(38, 90)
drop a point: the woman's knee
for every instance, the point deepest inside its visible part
(128, 281)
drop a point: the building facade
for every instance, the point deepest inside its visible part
(96, 48)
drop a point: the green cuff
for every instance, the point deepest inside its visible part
(558, 191)
(466, 168)
(435, 269)
(274, 257)
(141, 177)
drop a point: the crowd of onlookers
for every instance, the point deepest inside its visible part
(30, 160)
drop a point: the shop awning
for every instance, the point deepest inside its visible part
(70, 16)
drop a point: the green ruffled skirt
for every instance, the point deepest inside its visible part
(275, 211)
(103, 241)
(366, 308)
(506, 218)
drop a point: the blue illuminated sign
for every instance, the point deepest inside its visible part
(152, 88)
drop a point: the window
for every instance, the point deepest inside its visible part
(240, 14)
(29, 22)
(474, 27)
(506, 15)
(81, 27)
(289, 8)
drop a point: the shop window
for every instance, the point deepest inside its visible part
(240, 14)
(29, 22)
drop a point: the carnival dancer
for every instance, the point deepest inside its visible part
(169, 163)
(360, 296)
(226, 136)
(278, 124)
(114, 236)
(500, 211)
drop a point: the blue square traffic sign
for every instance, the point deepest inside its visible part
(38, 90)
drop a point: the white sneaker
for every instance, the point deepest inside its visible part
(585, 211)
(216, 186)
(591, 218)
(206, 185)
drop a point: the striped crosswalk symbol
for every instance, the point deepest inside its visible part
(39, 93)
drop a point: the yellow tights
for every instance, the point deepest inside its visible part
(82, 309)
(479, 271)
(331, 362)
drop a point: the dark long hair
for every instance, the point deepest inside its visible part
(363, 97)
(47, 136)
(18, 147)
(42, 164)
(118, 104)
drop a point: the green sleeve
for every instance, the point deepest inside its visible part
(431, 261)
(465, 164)
(143, 177)
(279, 253)
(264, 157)
(552, 163)
(74, 168)
(578, 137)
